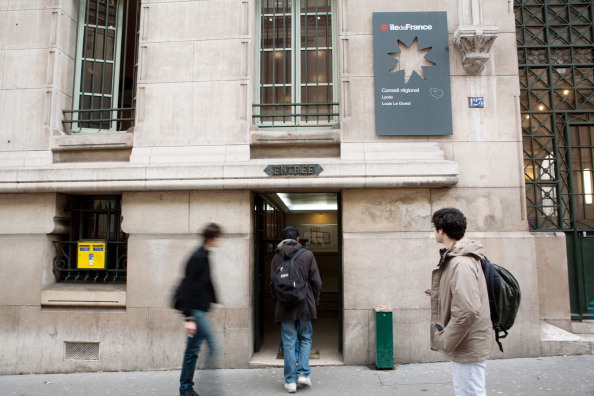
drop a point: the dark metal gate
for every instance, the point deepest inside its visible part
(555, 42)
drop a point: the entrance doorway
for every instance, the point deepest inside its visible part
(317, 216)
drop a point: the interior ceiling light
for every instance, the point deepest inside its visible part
(309, 202)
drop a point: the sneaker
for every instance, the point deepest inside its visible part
(291, 387)
(304, 381)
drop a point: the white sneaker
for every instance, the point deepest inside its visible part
(291, 387)
(304, 381)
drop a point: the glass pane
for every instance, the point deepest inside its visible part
(101, 12)
(97, 77)
(557, 15)
(282, 113)
(539, 100)
(538, 78)
(320, 113)
(316, 67)
(584, 78)
(276, 95)
(581, 35)
(533, 15)
(564, 99)
(276, 32)
(559, 35)
(585, 99)
(88, 102)
(316, 31)
(276, 67)
(99, 43)
(276, 6)
(316, 6)
(316, 94)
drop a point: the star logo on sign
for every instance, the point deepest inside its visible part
(384, 27)
(411, 60)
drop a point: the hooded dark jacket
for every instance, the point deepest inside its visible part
(460, 303)
(309, 268)
(197, 291)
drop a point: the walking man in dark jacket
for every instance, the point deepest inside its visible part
(295, 322)
(197, 293)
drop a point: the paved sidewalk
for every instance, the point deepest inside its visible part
(552, 376)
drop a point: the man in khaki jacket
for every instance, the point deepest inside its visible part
(461, 326)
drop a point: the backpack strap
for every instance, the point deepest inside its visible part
(298, 270)
(297, 254)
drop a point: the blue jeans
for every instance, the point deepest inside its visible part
(203, 333)
(282, 349)
(291, 331)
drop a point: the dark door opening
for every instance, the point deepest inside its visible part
(317, 216)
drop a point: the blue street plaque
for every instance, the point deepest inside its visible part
(476, 102)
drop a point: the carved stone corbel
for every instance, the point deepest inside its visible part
(475, 43)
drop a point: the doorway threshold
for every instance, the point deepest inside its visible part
(324, 349)
(271, 358)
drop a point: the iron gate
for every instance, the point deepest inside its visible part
(555, 41)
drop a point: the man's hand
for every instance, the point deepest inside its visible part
(190, 327)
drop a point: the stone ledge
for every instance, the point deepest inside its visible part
(61, 294)
(316, 137)
(426, 170)
(109, 141)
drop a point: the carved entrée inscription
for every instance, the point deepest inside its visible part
(293, 170)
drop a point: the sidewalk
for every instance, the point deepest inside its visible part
(553, 376)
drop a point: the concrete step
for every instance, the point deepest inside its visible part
(558, 342)
(583, 327)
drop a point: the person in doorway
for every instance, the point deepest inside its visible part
(197, 293)
(296, 322)
(461, 326)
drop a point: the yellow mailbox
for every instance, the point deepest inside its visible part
(91, 254)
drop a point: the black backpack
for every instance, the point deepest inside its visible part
(504, 298)
(288, 285)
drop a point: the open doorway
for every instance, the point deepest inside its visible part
(317, 216)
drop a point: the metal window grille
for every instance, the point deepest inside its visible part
(84, 351)
(297, 82)
(93, 217)
(555, 41)
(105, 82)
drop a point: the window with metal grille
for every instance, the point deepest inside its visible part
(297, 63)
(555, 41)
(92, 217)
(106, 64)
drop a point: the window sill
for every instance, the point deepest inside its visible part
(321, 143)
(87, 295)
(90, 148)
(294, 136)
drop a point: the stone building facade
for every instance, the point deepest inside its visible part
(140, 151)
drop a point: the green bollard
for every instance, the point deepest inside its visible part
(384, 338)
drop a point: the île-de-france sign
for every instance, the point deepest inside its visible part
(412, 73)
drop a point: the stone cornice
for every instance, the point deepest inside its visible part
(118, 177)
